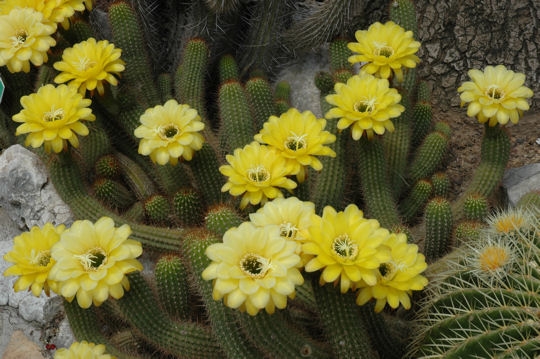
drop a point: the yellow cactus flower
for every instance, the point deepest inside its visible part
(365, 102)
(31, 256)
(83, 350)
(55, 11)
(253, 269)
(293, 217)
(397, 277)
(347, 247)
(52, 117)
(385, 48)
(88, 64)
(495, 95)
(169, 132)
(298, 137)
(92, 260)
(256, 172)
(24, 38)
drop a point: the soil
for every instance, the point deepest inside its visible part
(464, 149)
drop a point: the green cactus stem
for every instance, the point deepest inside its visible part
(127, 35)
(413, 204)
(345, 328)
(107, 167)
(428, 156)
(187, 204)
(495, 152)
(467, 231)
(157, 209)
(205, 169)
(403, 13)
(172, 286)
(136, 177)
(222, 319)
(228, 69)
(475, 207)
(282, 95)
(112, 193)
(439, 224)
(221, 217)
(260, 99)
(441, 184)
(189, 339)
(237, 127)
(376, 191)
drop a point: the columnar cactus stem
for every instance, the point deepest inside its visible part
(191, 339)
(428, 156)
(172, 286)
(415, 201)
(261, 100)
(344, 326)
(379, 201)
(439, 224)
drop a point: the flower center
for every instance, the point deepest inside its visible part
(258, 174)
(367, 105)
(41, 258)
(288, 230)
(344, 247)
(53, 115)
(508, 224)
(19, 39)
(382, 49)
(93, 259)
(295, 142)
(495, 92)
(85, 63)
(493, 258)
(254, 265)
(168, 132)
(387, 271)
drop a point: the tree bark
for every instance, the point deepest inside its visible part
(458, 35)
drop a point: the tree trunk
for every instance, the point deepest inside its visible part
(458, 35)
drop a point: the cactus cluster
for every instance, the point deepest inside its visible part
(178, 203)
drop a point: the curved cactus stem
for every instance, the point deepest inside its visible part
(345, 328)
(222, 319)
(181, 338)
(85, 326)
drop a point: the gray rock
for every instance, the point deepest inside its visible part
(27, 199)
(521, 180)
(26, 192)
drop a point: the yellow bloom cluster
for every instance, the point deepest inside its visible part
(286, 145)
(88, 260)
(83, 350)
(350, 250)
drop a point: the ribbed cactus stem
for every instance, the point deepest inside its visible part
(439, 224)
(261, 100)
(376, 190)
(188, 206)
(328, 184)
(441, 184)
(165, 87)
(428, 156)
(205, 169)
(188, 339)
(414, 203)
(112, 193)
(127, 36)
(422, 117)
(222, 319)
(339, 55)
(278, 338)
(228, 69)
(172, 286)
(237, 127)
(495, 152)
(157, 209)
(475, 207)
(221, 217)
(189, 79)
(343, 325)
(68, 183)
(403, 13)
(107, 166)
(467, 232)
(136, 178)
(85, 326)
